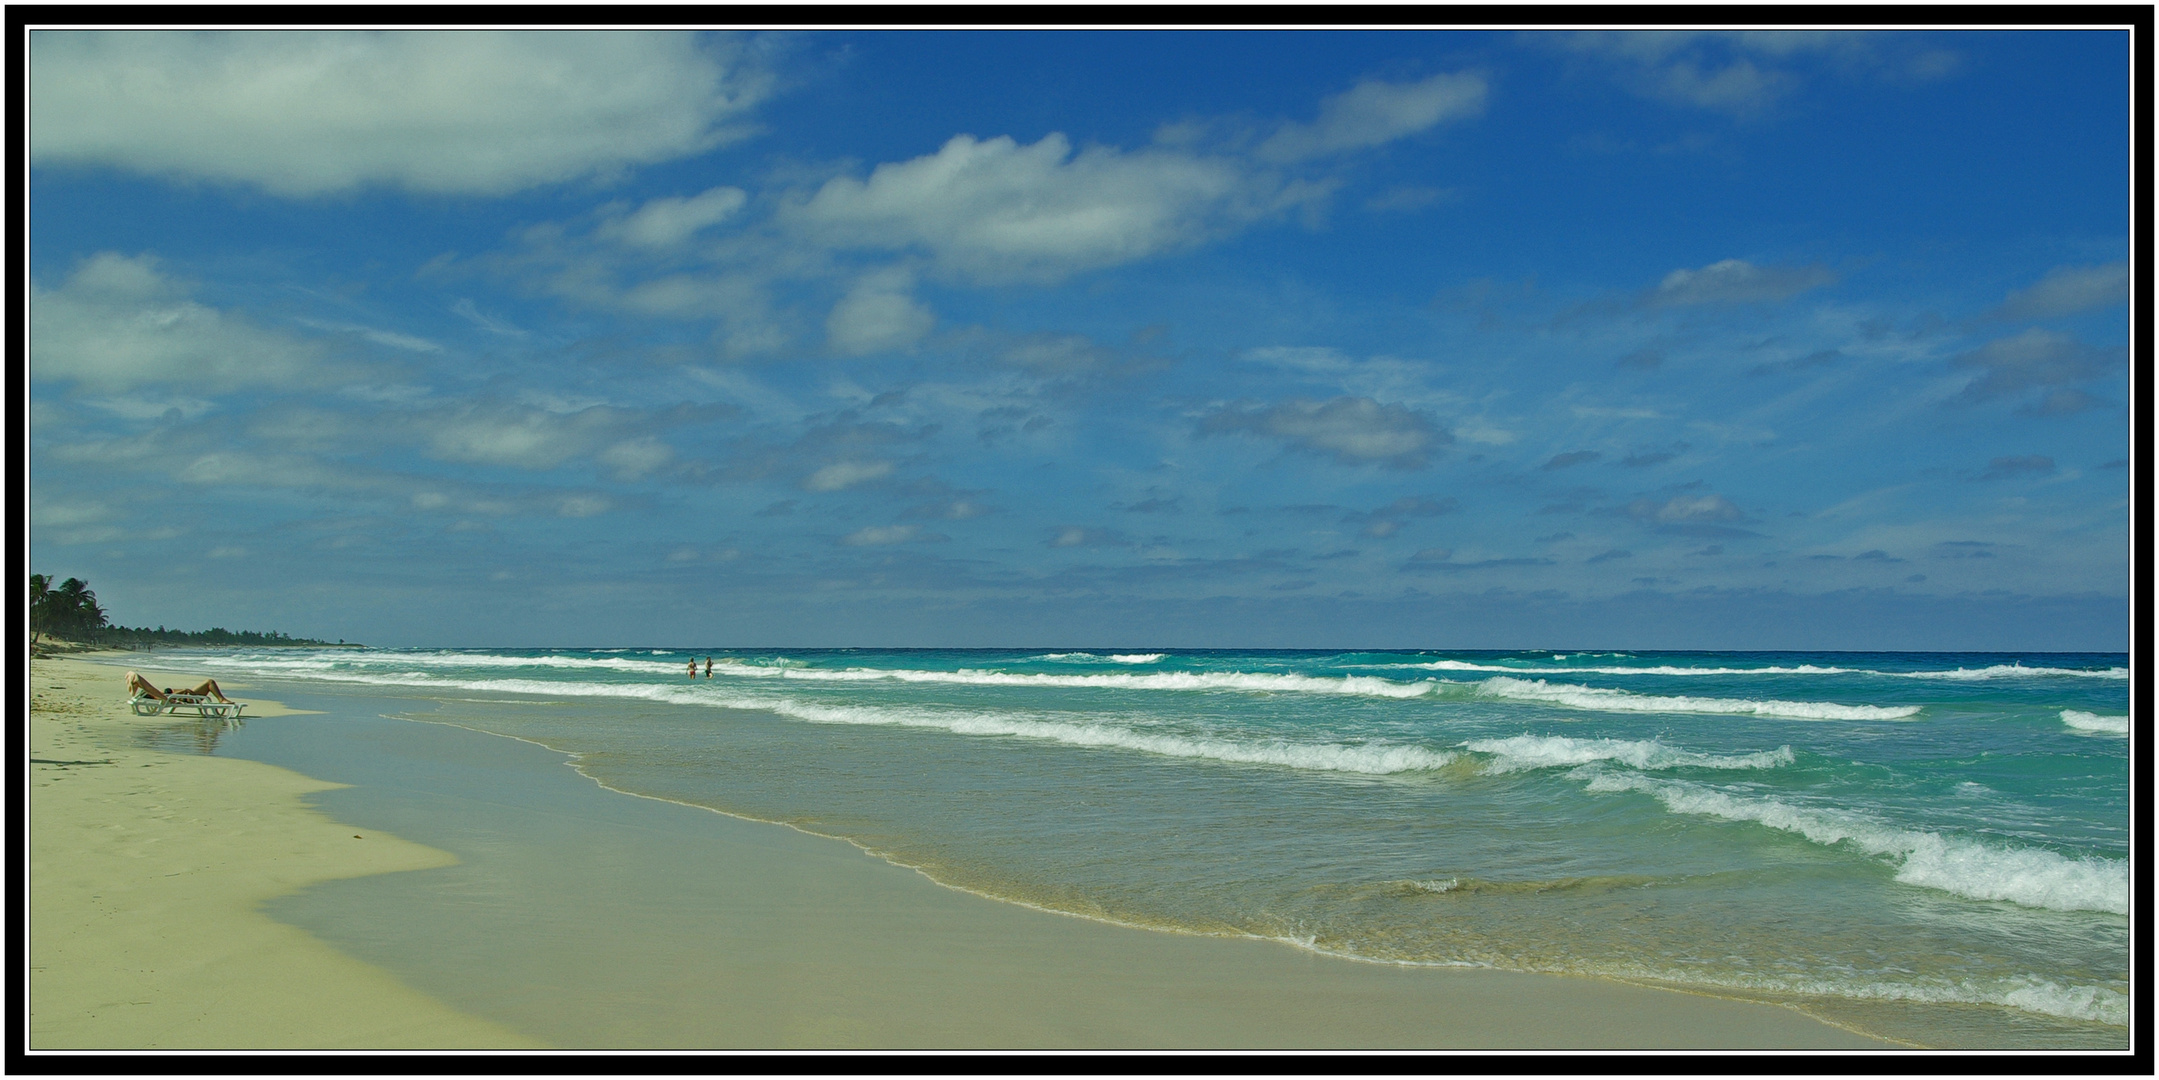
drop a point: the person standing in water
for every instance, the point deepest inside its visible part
(693, 667)
(708, 667)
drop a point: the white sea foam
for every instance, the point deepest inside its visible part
(1997, 671)
(1666, 669)
(1581, 697)
(2012, 671)
(1367, 685)
(1368, 758)
(407, 660)
(1606, 700)
(2030, 993)
(1114, 658)
(1525, 752)
(1329, 757)
(2092, 722)
(2034, 877)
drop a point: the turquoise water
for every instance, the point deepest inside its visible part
(1932, 847)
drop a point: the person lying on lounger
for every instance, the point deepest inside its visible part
(136, 684)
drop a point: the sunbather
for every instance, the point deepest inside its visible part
(136, 684)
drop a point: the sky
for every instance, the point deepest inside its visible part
(1302, 339)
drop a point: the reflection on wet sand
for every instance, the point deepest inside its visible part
(198, 735)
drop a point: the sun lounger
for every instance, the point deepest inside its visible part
(171, 704)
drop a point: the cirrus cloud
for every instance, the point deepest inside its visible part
(1736, 281)
(2066, 290)
(1374, 112)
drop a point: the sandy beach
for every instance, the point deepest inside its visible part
(147, 869)
(152, 869)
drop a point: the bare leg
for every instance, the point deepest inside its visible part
(209, 687)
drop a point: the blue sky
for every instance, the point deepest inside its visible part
(1298, 339)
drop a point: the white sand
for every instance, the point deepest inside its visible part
(146, 870)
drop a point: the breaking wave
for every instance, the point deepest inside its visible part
(1526, 752)
(2106, 725)
(2033, 877)
(1604, 700)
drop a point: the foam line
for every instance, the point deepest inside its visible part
(1523, 753)
(1604, 700)
(2033, 877)
(1366, 758)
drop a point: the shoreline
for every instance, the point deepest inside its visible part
(148, 870)
(612, 922)
(742, 934)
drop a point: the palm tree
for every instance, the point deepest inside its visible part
(40, 585)
(70, 608)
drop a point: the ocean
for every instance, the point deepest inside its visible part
(1926, 846)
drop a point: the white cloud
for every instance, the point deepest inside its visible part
(995, 210)
(1373, 112)
(1735, 281)
(888, 534)
(878, 314)
(380, 337)
(528, 438)
(1352, 430)
(664, 223)
(636, 457)
(1719, 70)
(160, 407)
(2036, 360)
(1685, 509)
(444, 112)
(846, 474)
(2067, 290)
(1078, 536)
(64, 515)
(580, 506)
(119, 324)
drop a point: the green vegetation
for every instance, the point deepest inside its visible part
(70, 612)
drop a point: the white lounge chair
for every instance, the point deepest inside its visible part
(170, 705)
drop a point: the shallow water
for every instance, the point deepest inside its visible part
(1932, 847)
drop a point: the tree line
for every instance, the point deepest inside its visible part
(70, 610)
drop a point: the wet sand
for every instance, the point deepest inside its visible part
(147, 871)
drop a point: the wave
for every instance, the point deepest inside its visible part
(1997, 671)
(1580, 697)
(2107, 725)
(1604, 700)
(1510, 669)
(2012, 671)
(1366, 758)
(1523, 753)
(380, 660)
(1366, 685)
(1369, 759)
(2033, 877)
(1114, 658)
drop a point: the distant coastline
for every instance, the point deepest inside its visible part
(46, 645)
